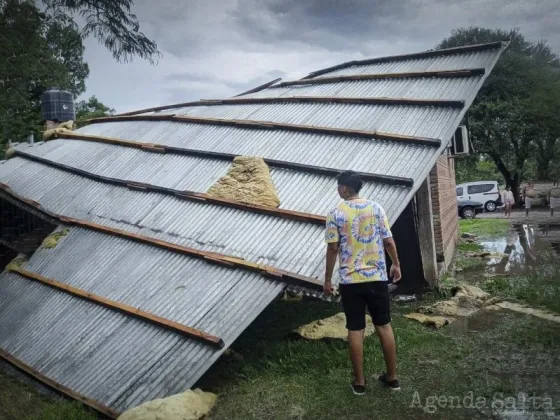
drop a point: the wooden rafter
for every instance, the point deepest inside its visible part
(126, 309)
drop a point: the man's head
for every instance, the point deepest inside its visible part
(349, 184)
(508, 188)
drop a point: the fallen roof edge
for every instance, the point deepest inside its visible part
(96, 405)
(428, 53)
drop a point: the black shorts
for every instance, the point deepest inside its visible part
(356, 297)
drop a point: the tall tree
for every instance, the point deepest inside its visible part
(37, 52)
(513, 115)
(42, 47)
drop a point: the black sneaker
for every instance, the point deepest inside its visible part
(392, 385)
(358, 389)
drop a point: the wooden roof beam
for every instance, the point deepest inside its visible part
(121, 307)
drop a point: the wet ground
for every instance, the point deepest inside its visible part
(517, 251)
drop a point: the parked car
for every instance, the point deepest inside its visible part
(469, 209)
(485, 192)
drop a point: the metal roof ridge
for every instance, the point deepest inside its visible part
(423, 54)
(306, 99)
(271, 125)
(211, 257)
(122, 307)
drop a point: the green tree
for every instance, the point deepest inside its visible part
(92, 108)
(37, 52)
(41, 46)
(476, 168)
(513, 115)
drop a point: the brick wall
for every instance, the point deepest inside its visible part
(444, 206)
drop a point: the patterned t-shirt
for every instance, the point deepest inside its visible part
(359, 226)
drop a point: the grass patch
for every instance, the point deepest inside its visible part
(484, 228)
(19, 401)
(285, 378)
(469, 247)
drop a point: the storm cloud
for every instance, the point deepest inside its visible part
(219, 48)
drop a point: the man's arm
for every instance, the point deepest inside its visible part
(391, 248)
(332, 254)
(333, 239)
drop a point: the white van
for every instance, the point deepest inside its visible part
(485, 192)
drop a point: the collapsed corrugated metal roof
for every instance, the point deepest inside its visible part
(145, 235)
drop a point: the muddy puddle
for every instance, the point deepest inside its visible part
(478, 322)
(517, 251)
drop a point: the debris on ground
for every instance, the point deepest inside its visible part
(486, 254)
(430, 321)
(466, 300)
(190, 405)
(248, 181)
(524, 309)
(289, 295)
(468, 236)
(17, 262)
(54, 238)
(333, 327)
(405, 298)
(65, 127)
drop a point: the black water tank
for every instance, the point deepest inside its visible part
(57, 105)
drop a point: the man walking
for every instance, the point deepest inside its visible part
(358, 231)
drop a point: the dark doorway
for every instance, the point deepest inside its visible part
(21, 231)
(405, 234)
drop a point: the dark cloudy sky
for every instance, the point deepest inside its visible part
(219, 48)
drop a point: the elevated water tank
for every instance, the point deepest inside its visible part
(57, 105)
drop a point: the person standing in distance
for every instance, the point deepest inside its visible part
(357, 233)
(509, 201)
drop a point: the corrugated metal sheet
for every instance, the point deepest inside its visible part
(112, 357)
(382, 157)
(300, 191)
(422, 121)
(414, 88)
(255, 237)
